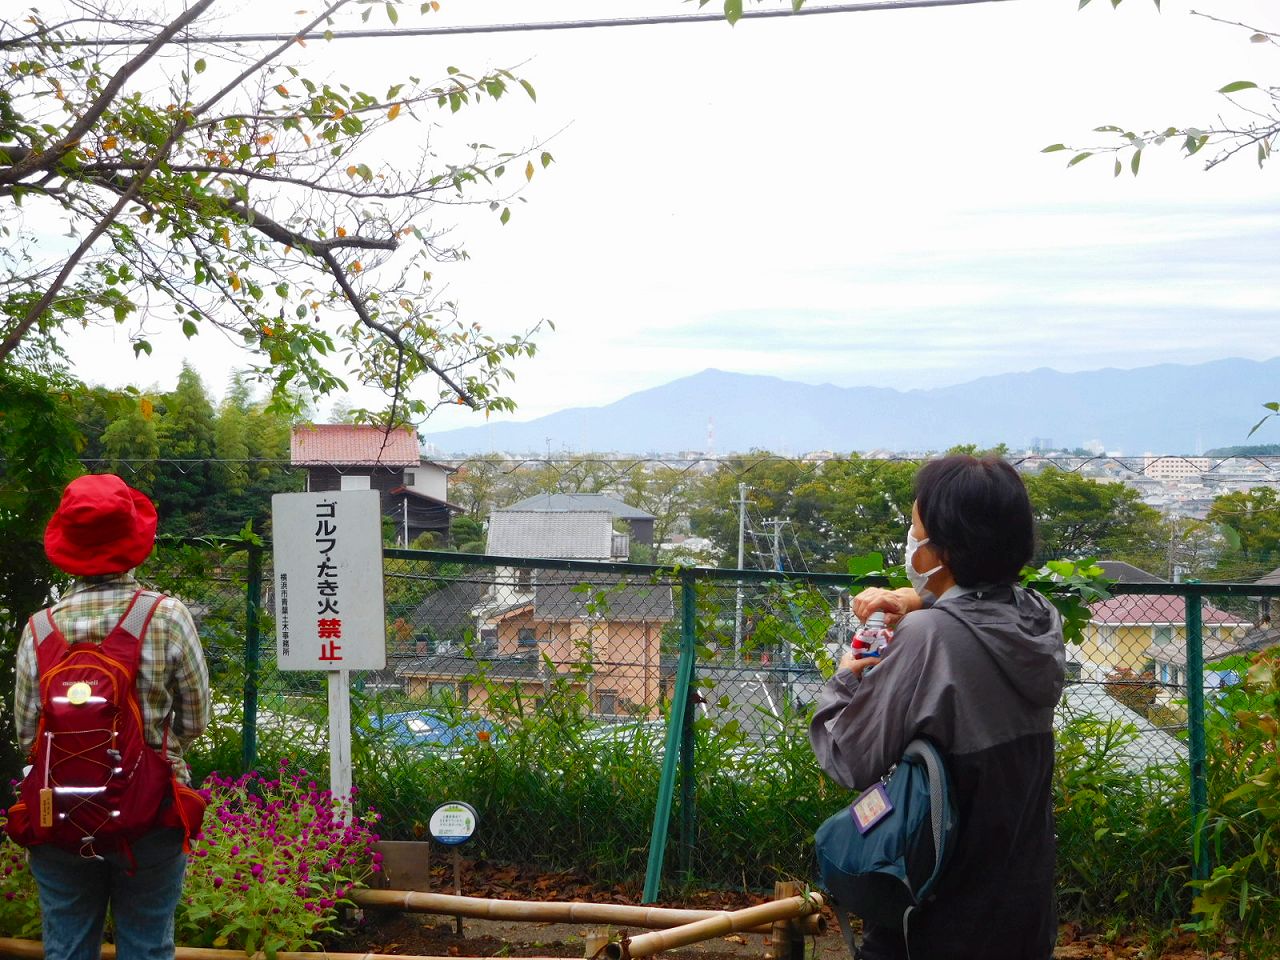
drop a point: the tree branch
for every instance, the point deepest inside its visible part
(362, 312)
(49, 158)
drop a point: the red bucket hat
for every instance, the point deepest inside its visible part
(102, 526)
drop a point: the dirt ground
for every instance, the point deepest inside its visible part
(420, 935)
(392, 932)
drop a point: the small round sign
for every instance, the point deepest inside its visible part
(79, 693)
(453, 823)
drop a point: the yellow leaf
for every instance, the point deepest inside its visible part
(352, 171)
(394, 111)
(307, 138)
(226, 237)
(342, 231)
(356, 266)
(282, 90)
(235, 282)
(146, 407)
(264, 139)
(528, 171)
(109, 143)
(339, 113)
(435, 6)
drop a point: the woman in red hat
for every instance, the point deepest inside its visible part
(102, 530)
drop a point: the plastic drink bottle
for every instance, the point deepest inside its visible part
(872, 637)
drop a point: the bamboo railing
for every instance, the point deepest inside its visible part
(616, 914)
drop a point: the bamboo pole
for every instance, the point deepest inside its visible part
(617, 914)
(734, 921)
(13, 949)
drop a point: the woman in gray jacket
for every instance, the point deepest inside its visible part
(976, 666)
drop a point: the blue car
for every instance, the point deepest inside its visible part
(423, 730)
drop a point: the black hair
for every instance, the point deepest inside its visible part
(976, 512)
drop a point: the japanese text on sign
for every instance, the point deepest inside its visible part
(328, 566)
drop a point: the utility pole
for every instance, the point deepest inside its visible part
(737, 600)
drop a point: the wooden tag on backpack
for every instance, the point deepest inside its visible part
(46, 807)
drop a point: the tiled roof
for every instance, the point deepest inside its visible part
(521, 666)
(1140, 610)
(585, 535)
(445, 614)
(573, 502)
(557, 596)
(1271, 579)
(1127, 572)
(345, 444)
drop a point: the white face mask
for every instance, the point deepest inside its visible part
(918, 580)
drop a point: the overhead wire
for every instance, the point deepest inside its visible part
(537, 26)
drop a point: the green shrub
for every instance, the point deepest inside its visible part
(1242, 895)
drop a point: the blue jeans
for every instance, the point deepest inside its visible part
(75, 892)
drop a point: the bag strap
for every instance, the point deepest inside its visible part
(50, 644)
(124, 642)
(939, 810)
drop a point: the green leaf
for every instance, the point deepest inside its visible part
(393, 14)
(733, 10)
(1119, 167)
(506, 215)
(1137, 159)
(199, 66)
(1238, 85)
(528, 88)
(1054, 148)
(1078, 157)
(866, 564)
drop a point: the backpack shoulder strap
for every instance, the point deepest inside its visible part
(124, 642)
(50, 644)
(941, 812)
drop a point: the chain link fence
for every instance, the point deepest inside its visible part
(597, 714)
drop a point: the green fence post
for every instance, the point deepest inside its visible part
(676, 712)
(252, 599)
(688, 647)
(1195, 733)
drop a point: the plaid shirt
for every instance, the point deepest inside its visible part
(173, 682)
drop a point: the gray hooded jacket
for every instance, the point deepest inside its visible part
(979, 674)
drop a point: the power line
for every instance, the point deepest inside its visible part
(534, 26)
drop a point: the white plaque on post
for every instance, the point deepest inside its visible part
(328, 579)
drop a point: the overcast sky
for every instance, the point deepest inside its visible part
(853, 198)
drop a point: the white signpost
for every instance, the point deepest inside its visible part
(329, 600)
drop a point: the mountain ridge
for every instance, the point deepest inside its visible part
(1165, 408)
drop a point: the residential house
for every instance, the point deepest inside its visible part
(639, 522)
(536, 627)
(1141, 632)
(342, 456)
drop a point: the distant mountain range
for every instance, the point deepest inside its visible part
(1168, 408)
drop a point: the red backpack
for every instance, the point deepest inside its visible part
(95, 785)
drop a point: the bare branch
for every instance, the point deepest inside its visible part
(357, 303)
(47, 159)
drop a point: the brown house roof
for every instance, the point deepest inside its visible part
(345, 444)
